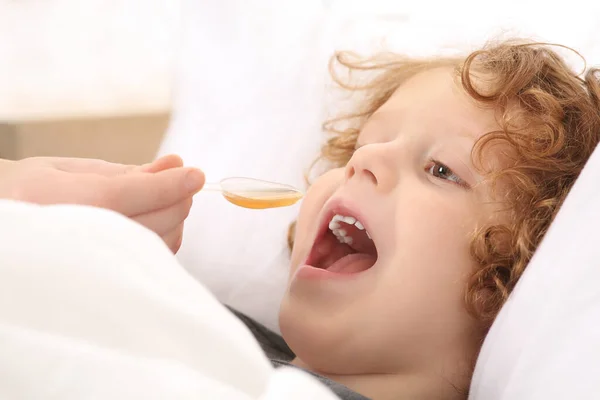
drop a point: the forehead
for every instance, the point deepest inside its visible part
(435, 97)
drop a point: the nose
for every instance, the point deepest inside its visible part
(374, 163)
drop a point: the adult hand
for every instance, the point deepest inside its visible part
(157, 195)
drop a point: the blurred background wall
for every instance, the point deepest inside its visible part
(86, 78)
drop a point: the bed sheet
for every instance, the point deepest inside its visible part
(94, 306)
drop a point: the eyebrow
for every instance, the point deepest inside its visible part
(376, 118)
(381, 118)
(379, 115)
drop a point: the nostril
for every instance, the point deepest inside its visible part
(371, 176)
(350, 171)
(364, 173)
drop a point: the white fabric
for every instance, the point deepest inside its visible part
(94, 306)
(545, 343)
(243, 108)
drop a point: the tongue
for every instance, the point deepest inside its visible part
(352, 263)
(340, 258)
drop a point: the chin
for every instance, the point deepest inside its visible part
(300, 329)
(321, 338)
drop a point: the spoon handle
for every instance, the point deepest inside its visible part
(212, 187)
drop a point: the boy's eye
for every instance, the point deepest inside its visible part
(442, 171)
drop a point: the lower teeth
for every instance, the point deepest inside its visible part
(344, 239)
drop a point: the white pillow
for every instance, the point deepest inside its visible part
(249, 103)
(545, 344)
(251, 97)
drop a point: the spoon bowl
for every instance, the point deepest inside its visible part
(256, 193)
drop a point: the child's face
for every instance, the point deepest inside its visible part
(398, 306)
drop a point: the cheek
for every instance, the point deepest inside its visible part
(422, 284)
(433, 248)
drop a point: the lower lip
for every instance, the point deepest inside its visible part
(309, 272)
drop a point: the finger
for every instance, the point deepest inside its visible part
(161, 164)
(174, 238)
(91, 166)
(139, 193)
(166, 219)
(105, 168)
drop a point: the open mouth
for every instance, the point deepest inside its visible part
(343, 246)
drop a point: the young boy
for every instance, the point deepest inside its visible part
(442, 186)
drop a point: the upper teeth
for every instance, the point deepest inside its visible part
(342, 234)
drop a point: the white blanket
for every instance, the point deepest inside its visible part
(94, 306)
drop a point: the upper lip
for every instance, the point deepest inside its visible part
(338, 206)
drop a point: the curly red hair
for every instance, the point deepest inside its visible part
(549, 118)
